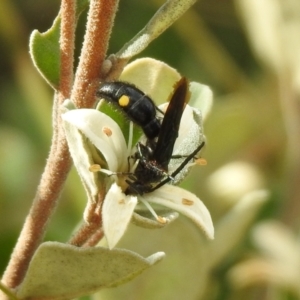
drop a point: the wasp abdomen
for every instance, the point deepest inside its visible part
(138, 107)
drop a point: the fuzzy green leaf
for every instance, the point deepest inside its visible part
(44, 48)
(61, 271)
(44, 51)
(81, 5)
(168, 13)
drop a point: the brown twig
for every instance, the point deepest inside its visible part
(52, 180)
(100, 21)
(88, 229)
(95, 238)
(57, 166)
(67, 37)
(92, 224)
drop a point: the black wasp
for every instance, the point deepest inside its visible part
(139, 108)
(153, 158)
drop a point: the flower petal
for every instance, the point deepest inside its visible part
(92, 123)
(116, 213)
(201, 98)
(186, 203)
(155, 78)
(190, 131)
(82, 159)
(145, 219)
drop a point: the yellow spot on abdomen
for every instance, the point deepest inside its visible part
(124, 101)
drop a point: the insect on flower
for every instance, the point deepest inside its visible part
(137, 106)
(153, 158)
(140, 175)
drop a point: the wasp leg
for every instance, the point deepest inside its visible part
(180, 168)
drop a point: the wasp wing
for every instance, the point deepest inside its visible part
(170, 124)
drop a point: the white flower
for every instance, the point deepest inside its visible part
(88, 128)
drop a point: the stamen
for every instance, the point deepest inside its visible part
(201, 161)
(108, 172)
(94, 168)
(162, 220)
(107, 131)
(97, 168)
(158, 218)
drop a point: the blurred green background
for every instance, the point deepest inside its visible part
(248, 53)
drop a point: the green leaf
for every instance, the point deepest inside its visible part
(63, 271)
(168, 13)
(44, 51)
(81, 5)
(44, 48)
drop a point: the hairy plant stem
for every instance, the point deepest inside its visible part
(99, 25)
(57, 166)
(67, 38)
(100, 21)
(88, 229)
(48, 191)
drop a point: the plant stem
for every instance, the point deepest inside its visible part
(51, 184)
(67, 37)
(99, 25)
(87, 229)
(57, 166)
(100, 21)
